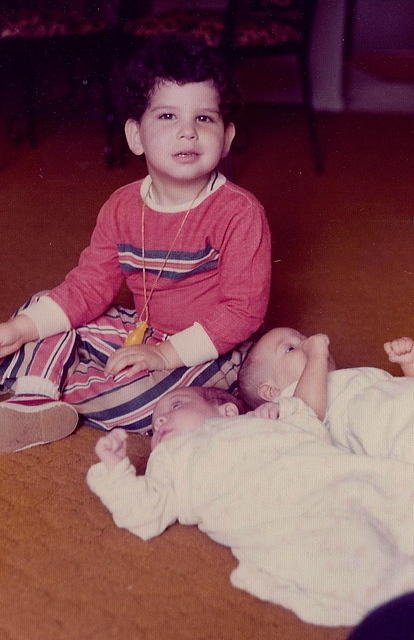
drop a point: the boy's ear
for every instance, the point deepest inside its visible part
(228, 410)
(133, 137)
(229, 134)
(268, 391)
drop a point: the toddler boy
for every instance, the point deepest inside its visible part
(192, 247)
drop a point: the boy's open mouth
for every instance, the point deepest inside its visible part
(186, 154)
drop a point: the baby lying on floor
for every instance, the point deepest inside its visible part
(365, 409)
(315, 528)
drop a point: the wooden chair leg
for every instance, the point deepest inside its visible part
(311, 115)
(29, 96)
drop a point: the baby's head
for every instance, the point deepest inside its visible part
(187, 408)
(272, 364)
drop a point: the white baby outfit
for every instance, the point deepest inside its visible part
(370, 412)
(315, 528)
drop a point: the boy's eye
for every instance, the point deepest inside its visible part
(176, 404)
(204, 118)
(166, 116)
(290, 348)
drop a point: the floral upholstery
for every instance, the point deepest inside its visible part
(205, 24)
(252, 31)
(50, 24)
(268, 23)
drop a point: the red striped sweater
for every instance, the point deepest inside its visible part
(218, 274)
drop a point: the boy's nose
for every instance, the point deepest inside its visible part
(187, 131)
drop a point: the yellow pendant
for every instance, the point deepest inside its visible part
(136, 336)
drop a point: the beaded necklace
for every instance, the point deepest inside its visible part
(136, 336)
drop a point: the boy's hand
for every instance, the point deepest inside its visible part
(268, 410)
(143, 357)
(316, 345)
(15, 333)
(136, 358)
(111, 449)
(400, 350)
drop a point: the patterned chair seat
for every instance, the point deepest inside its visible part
(50, 24)
(258, 32)
(204, 24)
(249, 31)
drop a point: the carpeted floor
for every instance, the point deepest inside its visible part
(343, 264)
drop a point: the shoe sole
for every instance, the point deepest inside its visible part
(27, 427)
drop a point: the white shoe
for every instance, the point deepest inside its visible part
(28, 422)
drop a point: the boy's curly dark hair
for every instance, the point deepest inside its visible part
(181, 59)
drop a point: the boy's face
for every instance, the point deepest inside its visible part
(181, 133)
(180, 411)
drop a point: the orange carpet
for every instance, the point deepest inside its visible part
(343, 264)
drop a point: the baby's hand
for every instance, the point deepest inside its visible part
(400, 350)
(268, 410)
(132, 360)
(111, 448)
(316, 345)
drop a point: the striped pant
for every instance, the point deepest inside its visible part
(70, 367)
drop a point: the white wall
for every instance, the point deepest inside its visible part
(383, 25)
(327, 55)
(383, 41)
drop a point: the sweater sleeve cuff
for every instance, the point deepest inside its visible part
(48, 317)
(194, 345)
